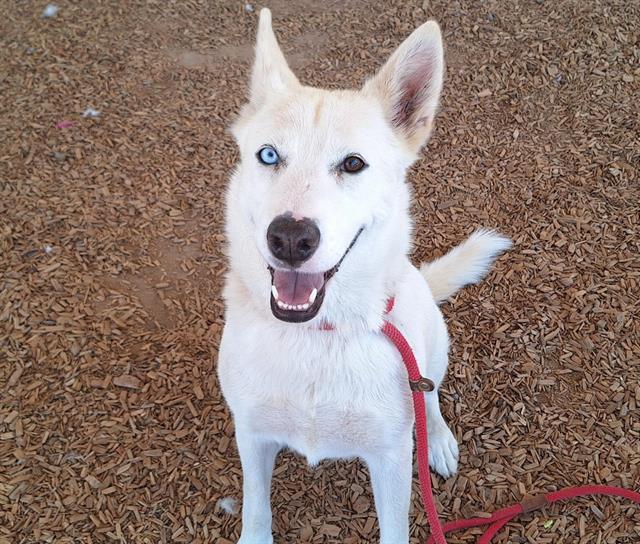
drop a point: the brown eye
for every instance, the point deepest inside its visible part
(353, 164)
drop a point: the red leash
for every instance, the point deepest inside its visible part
(498, 519)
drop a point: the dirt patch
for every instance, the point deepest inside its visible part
(158, 288)
(212, 58)
(301, 51)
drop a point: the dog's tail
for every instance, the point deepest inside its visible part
(464, 264)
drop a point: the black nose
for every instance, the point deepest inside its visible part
(293, 241)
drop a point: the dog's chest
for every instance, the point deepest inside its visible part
(318, 429)
(327, 400)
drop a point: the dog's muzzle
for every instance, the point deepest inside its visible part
(296, 297)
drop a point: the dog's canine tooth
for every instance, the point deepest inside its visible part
(274, 292)
(312, 296)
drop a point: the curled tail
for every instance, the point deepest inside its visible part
(464, 264)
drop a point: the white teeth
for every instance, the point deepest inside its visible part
(296, 307)
(312, 296)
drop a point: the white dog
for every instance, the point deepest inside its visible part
(319, 232)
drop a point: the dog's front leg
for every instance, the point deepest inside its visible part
(391, 472)
(257, 456)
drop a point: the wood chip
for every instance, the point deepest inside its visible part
(130, 382)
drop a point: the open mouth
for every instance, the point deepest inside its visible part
(296, 297)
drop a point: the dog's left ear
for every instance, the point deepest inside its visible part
(271, 73)
(409, 84)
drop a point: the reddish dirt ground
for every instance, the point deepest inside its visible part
(112, 426)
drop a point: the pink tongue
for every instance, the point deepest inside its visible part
(295, 287)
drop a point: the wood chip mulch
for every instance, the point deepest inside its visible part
(112, 427)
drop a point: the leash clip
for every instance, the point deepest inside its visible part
(422, 385)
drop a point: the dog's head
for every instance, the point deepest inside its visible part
(321, 174)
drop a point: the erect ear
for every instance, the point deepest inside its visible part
(409, 84)
(271, 73)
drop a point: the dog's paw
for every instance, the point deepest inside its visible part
(443, 451)
(254, 539)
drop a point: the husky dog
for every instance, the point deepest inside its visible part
(319, 234)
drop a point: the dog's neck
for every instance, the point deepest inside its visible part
(360, 291)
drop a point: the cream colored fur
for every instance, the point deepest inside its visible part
(339, 393)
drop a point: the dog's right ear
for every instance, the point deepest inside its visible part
(271, 73)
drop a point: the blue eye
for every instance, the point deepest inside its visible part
(269, 156)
